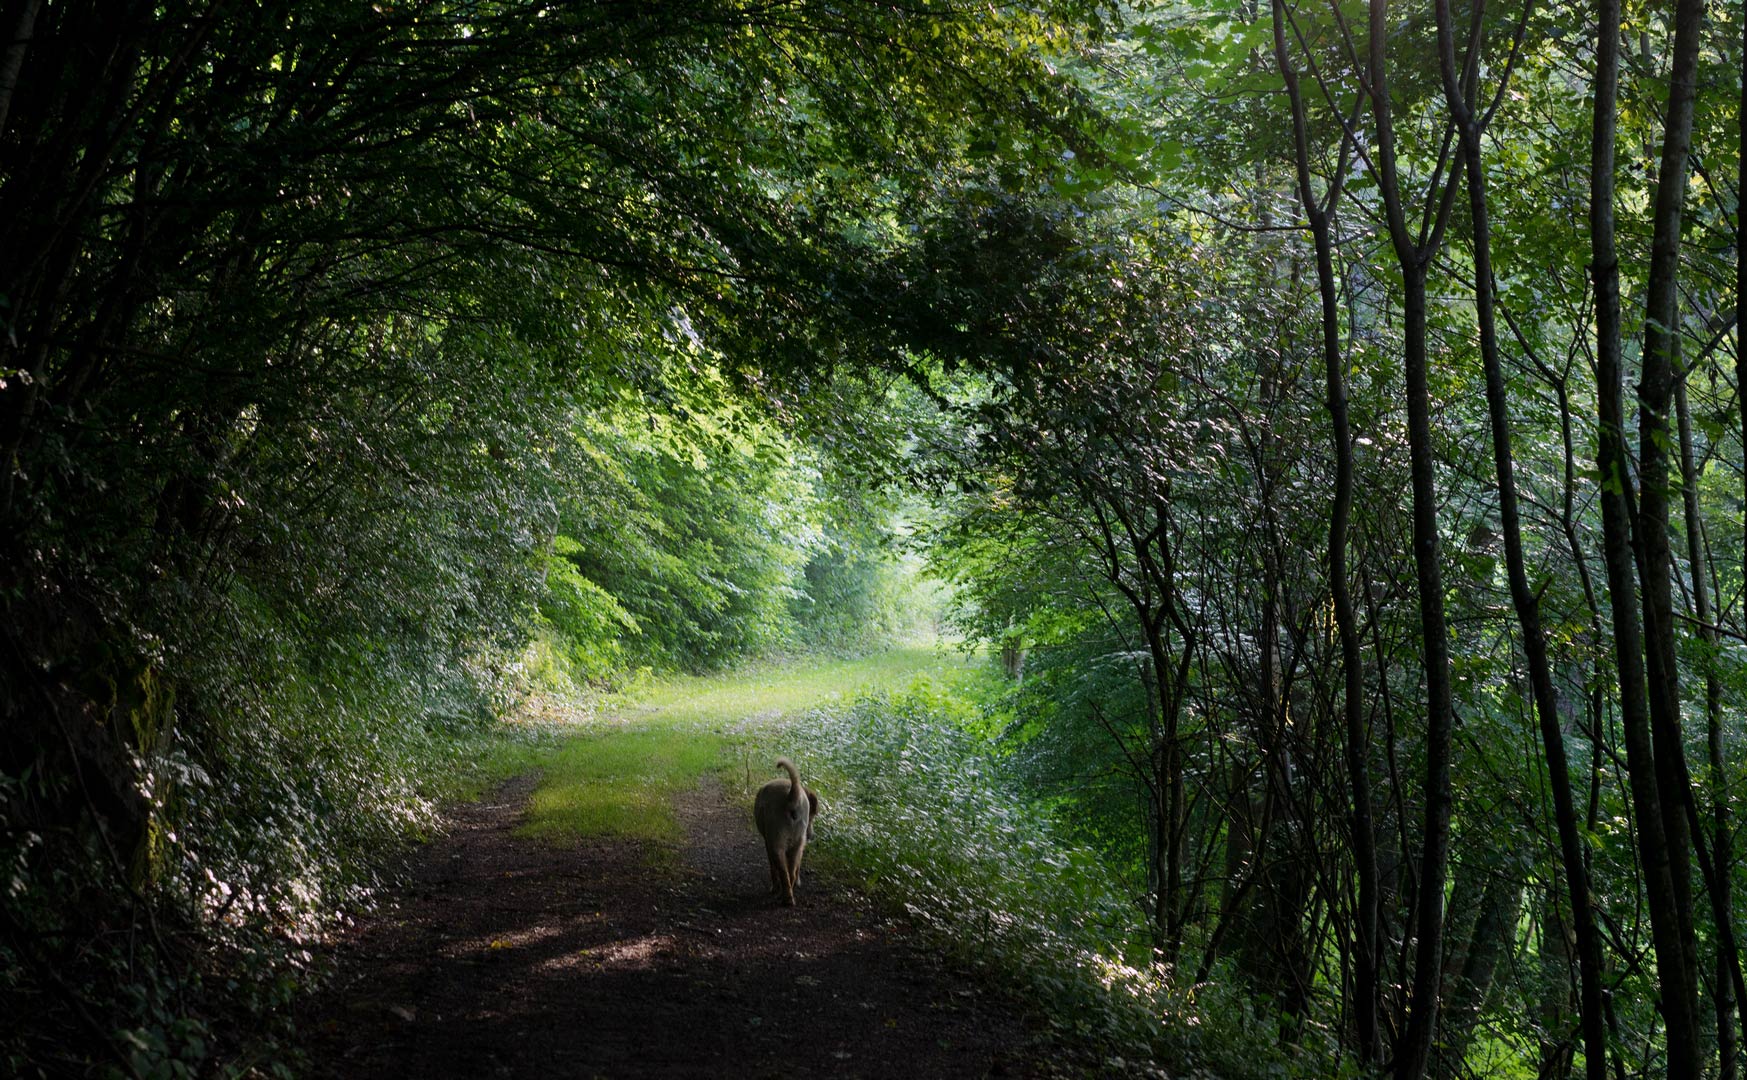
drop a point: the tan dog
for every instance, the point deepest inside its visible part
(784, 811)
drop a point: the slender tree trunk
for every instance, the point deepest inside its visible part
(1678, 997)
(1720, 898)
(1163, 897)
(1557, 948)
(1364, 838)
(1414, 255)
(1655, 444)
(1459, 94)
(12, 60)
(1718, 751)
(1416, 1043)
(1718, 748)
(1595, 682)
(1167, 763)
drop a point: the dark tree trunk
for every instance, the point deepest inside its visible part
(1678, 997)
(1414, 253)
(1724, 996)
(1655, 440)
(1460, 94)
(1435, 638)
(1320, 214)
(1558, 946)
(1721, 828)
(12, 60)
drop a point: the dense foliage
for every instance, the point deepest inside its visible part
(350, 347)
(1332, 412)
(1347, 599)
(999, 888)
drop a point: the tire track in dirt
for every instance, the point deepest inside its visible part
(505, 956)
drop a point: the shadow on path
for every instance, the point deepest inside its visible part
(512, 957)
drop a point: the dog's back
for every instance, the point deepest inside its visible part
(782, 807)
(783, 810)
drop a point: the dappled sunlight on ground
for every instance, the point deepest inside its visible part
(638, 952)
(622, 945)
(517, 957)
(517, 939)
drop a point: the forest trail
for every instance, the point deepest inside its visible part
(602, 957)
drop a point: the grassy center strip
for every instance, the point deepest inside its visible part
(619, 774)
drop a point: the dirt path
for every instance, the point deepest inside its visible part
(513, 957)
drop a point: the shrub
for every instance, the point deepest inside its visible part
(931, 821)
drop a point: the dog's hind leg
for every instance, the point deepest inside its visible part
(782, 868)
(779, 872)
(794, 861)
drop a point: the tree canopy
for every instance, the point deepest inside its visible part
(1331, 410)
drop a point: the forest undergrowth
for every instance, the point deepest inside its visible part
(614, 769)
(926, 813)
(1331, 414)
(932, 818)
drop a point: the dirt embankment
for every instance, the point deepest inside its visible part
(512, 957)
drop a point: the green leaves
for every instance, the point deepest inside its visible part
(1001, 886)
(682, 540)
(345, 346)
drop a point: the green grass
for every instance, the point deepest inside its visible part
(618, 776)
(766, 692)
(486, 759)
(620, 783)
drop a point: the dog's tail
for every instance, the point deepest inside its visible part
(796, 792)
